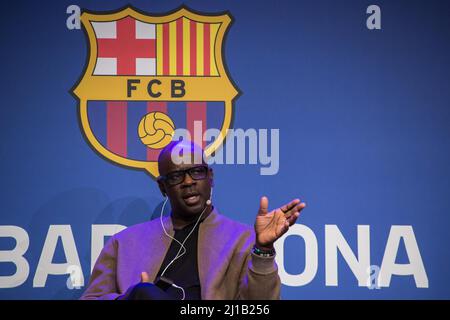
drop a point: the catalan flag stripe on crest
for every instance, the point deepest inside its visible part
(182, 47)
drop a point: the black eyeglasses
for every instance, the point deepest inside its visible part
(176, 177)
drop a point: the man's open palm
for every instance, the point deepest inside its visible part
(270, 226)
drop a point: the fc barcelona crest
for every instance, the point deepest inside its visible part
(147, 76)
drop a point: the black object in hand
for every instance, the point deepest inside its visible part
(163, 283)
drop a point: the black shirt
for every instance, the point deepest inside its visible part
(183, 271)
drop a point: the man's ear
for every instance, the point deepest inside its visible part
(162, 188)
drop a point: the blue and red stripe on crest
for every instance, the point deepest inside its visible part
(115, 123)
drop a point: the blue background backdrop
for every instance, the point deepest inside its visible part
(363, 117)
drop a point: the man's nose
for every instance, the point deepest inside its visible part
(188, 179)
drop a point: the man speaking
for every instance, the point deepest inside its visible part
(195, 253)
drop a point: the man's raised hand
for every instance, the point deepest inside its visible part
(270, 226)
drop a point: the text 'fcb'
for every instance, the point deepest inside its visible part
(156, 88)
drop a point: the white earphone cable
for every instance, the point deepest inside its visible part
(164, 229)
(182, 290)
(182, 247)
